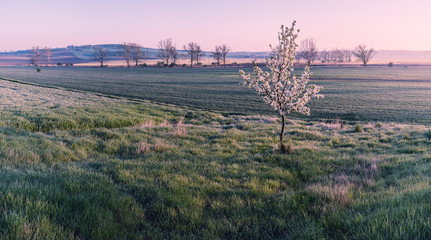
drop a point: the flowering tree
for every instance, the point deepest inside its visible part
(280, 87)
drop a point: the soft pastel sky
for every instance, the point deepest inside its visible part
(245, 25)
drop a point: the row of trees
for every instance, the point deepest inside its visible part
(309, 52)
(168, 53)
(37, 54)
(132, 52)
(335, 55)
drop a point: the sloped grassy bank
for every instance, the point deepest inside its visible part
(74, 165)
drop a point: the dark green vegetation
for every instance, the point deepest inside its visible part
(79, 166)
(368, 94)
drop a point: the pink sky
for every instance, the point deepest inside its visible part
(245, 25)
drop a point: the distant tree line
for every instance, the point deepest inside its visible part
(309, 52)
(167, 53)
(132, 54)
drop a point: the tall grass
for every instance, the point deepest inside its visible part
(139, 170)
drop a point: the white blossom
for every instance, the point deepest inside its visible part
(279, 87)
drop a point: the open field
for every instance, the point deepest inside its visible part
(79, 166)
(395, 94)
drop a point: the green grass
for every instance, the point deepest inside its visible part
(395, 94)
(80, 166)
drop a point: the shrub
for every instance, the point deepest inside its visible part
(172, 65)
(160, 64)
(391, 64)
(59, 64)
(358, 128)
(184, 65)
(286, 147)
(38, 69)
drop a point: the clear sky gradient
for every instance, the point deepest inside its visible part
(245, 25)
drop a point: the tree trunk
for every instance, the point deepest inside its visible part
(283, 123)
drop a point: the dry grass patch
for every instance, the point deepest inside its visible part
(158, 145)
(337, 190)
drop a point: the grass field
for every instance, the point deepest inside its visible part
(75, 165)
(396, 94)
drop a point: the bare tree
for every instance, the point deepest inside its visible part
(362, 53)
(100, 54)
(347, 55)
(126, 52)
(36, 53)
(224, 51)
(308, 50)
(325, 55)
(217, 55)
(275, 51)
(174, 54)
(137, 53)
(199, 53)
(47, 53)
(333, 55)
(165, 50)
(191, 48)
(339, 55)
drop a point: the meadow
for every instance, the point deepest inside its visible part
(113, 165)
(396, 94)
